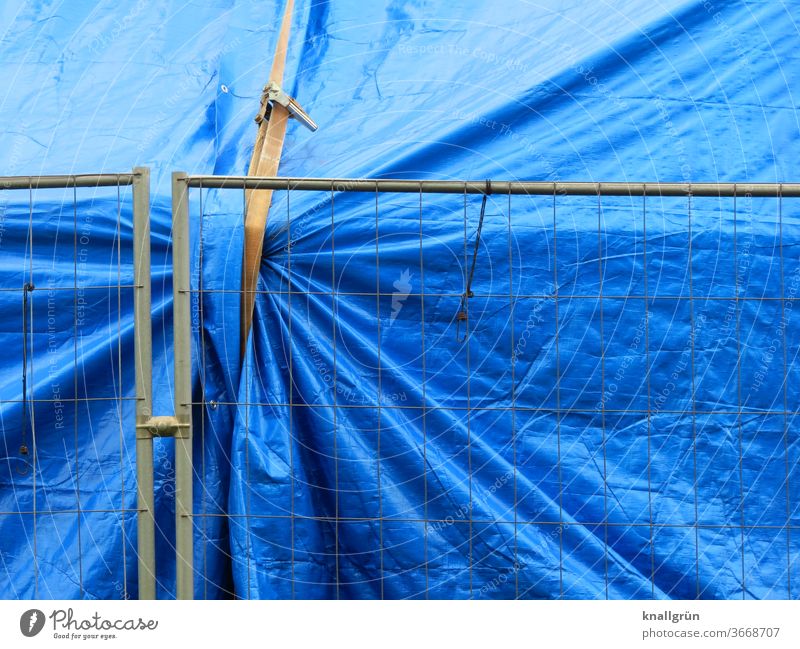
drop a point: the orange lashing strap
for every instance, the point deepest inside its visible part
(264, 162)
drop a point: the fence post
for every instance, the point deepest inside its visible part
(143, 353)
(184, 523)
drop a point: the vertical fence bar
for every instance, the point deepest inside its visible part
(183, 386)
(143, 353)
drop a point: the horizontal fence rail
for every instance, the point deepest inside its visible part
(64, 181)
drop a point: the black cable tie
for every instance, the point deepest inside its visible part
(462, 315)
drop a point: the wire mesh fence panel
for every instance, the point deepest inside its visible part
(68, 500)
(498, 390)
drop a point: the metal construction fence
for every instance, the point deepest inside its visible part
(376, 375)
(67, 262)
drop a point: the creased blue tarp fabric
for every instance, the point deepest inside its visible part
(520, 462)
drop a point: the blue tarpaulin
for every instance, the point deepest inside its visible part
(619, 421)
